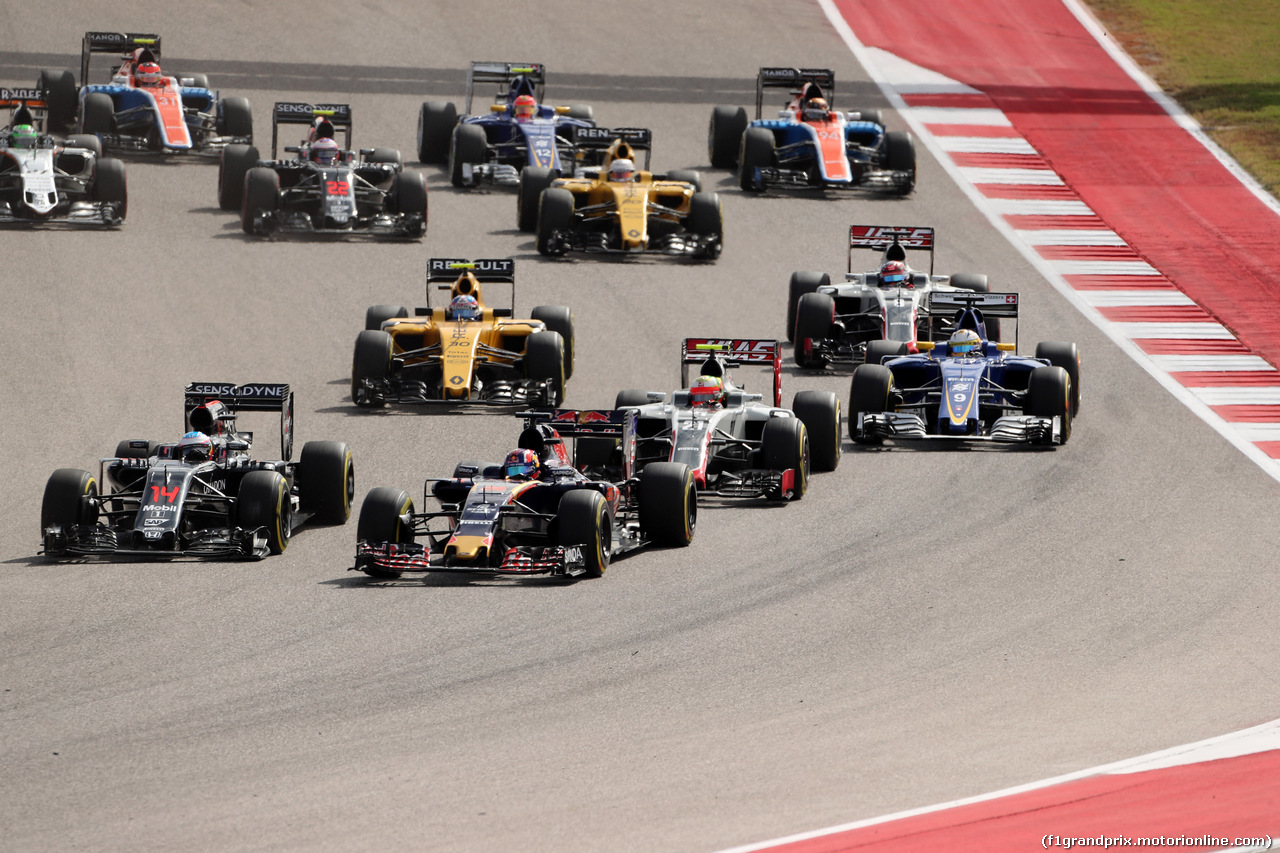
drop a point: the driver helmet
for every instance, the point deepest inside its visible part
(894, 273)
(325, 152)
(622, 170)
(525, 107)
(147, 74)
(194, 447)
(707, 391)
(965, 342)
(320, 128)
(23, 136)
(816, 109)
(521, 464)
(464, 307)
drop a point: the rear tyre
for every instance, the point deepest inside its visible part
(757, 153)
(555, 214)
(785, 445)
(558, 318)
(878, 350)
(724, 136)
(876, 116)
(544, 359)
(687, 176)
(436, 120)
(1049, 395)
(263, 502)
(900, 156)
(59, 88)
(409, 196)
(582, 519)
(84, 140)
(1065, 355)
(327, 480)
(814, 317)
(235, 116)
(533, 180)
(468, 146)
(109, 184)
(126, 450)
(68, 499)
(819, 411)
(668, 501)
(631, 397)
(261, 195)
(386, 155)
(234, 163)
(975, 282)
(198, 81)
(376, 315)
(381, 521)
(802, 282)
(372, 360)
(869, 391)
(583, 112)
(97, 114)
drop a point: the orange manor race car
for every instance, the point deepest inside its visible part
(466, 351)
(541, 512)
(203, 495)
(736, 444)
(615, 207)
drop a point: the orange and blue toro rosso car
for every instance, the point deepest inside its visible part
(543, 511)
(465, 352)
(612, 206)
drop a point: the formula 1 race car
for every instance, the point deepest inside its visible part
(809, 144)
(202, 496)
(616, 208)
(846, 323)
(466, 351)
(143, 109)
(538, 513)
(44, 180)
(518, 131)
(326, 188)
(969, 387)
(735, 444)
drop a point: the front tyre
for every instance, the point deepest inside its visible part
(1049, 396)
(234, 162)
(372, 361)
(870, 388)
(382, 520)
(70, 498)
(263, 502)
(582, 519)
(261, 196)
(555, 216)
(784, 446)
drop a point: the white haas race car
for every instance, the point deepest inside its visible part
(735, 443)
(44, 180)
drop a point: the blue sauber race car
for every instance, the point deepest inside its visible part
(517, 131)
(809, 144)
(142, 108)
(968, 388)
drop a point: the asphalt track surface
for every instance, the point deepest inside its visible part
(923, 626)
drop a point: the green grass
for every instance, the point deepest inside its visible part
(1220, 59)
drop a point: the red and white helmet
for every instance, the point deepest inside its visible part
(525, 107)
(147, 74)
(325, 152)
(894, 274)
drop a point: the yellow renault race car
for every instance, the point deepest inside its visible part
(465, 352)
(612, 206)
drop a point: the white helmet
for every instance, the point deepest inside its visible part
(622, 170)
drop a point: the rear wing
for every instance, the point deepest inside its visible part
(443, 272)
(118, 43)
(594, 140)
(250, 397)
(733, 352)
(503, 73)
(619, 424)
(28, 105)
(990, 304)
(794, 79)
(891, 240)
(293, 112)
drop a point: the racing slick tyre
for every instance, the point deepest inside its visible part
(261, 195)
(631, 397)
(784, 445)
(582, 519)
(757, 153)
(687, 176)
(533, 180)
(873, 115)
(199, 81)
(59, 88)
(97, 114)
(263, 502)
(1065, 355)
(559, 319)
(705, 216)
(668, 499)
(386, 155)
(84, 140)
(814, 316)
(327, 480)
(802, 282)
(819, 411)
(584, 112)
(69, 498)
(234, 162)
(544, 359)
(869, 391)
(380, 521)
(109, 184)
(126, 450)
(976, 282)
(555, 214)
(1049, 395)
(409, 196)
(468, 146)
(879, 350)
(371, 360)
(436, 120)
(900, 156)
(724, 136)
(376, 315)
(235, 115)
